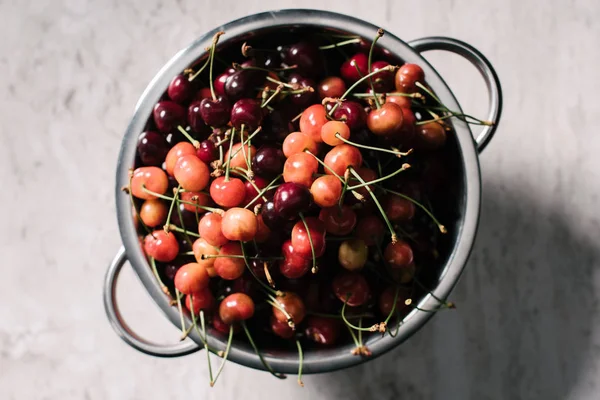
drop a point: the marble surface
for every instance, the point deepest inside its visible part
(528, 319)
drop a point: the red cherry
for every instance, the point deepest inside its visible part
(332, 86)
(219, 83)
(227, 193)
(152, 178)
(370, 229)
(341, 157)
(322, 330)
(230, 268)
(367, 175)
(215, 113)
(203, 93)
(262, 230)
(153, 212)
(180, 89)
(349, 67)
(301, 241)
(191, 173)
(398, 255)
(289, 201)
(293, 306)
(330, 130)
(293, 266)
(397, 208)
(326, 190)
(281, 329)
(209, 228)
(235, 308)
(191, 278)
(202, 300)
(179, 150)
(246, 112)
(199, 198)
(406, 77)
(222, 327)
(194, 119)
(239, 224)
(251, 191)
(202, 248)
(297, 142)
(431, 136)
(168, 115)
(351, 288)
(207, 151)
(312, 120)
(402, 101)
(338, 221)
(352, 113)
(383, 82)
(161, 246)
(300, 168)
(386, 121)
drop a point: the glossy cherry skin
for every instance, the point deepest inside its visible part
(293, 266)
(191, 278)
(370, 229)
(338, 221)
(202, 300)
(251, 191)
(152, 178)
(194, 118)
(203, 93)
(152, 148)
(219, 83)
(383, 82)
(431, 136)
(246, 112)
(179, 150)
(326, 191)
(398, 255)
(268, 161)
(290, 200)
(301, 241)
(271, 217)
(331, 130)
(306, 98)
(180, 89)
(235, 308)
(191, 173)
(312, 120)
(207, 151)
(281, 329)
(402, 101)
(241, 83)
(293, 305)
(239, 224)
(227, 193)
(406, 77)
(351, 288)
(297, 142)
(386, 121)
(348, 70)
(202, 247)
(300, 168)
(153, 212)
(209, 228)
(199, 198)
(161, 246)
(398, 209)
(322, 330)
(239, 155)
(332, 86)
(341, 157)
(215, 112)
(353, 254)
(230, 268)
(306, 56)
(168, 115)
(352, 113)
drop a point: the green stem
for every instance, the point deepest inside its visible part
(212, 59)
(441, 227)
(182, 319)
(396, 153)
(230, 155)
(245, 143)
(181, 230)
(206, 63)
(162, 196)
(343, 43)
(163, 287)
(229, 341)
(207, 256)
(267, 288)
(263, 191)
(325, 165)
(167, 223)
(379, 34)
(258, 353)
(312, 247)
(205, 341)
(348, 323)
(300, 362)
(367, 184)
(194, 142)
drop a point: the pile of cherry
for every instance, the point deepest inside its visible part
(277, 198)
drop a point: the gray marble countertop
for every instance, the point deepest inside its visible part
(528, 320)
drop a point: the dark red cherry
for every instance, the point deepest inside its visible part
(306, 56)
(222, 327)
(271, 217)
(246, 112)
(322, 330)
(268, 161)
(219, 84)
(348, 69)
(351, 288)
(242, 84)
(181, 90)
(291, 199)
(207, 151)
(251, 192)
(407, 77)
(194, 118)
(215, 112)
(236, 307)
(352, 113)
(306, 98)
(281, 328)
(152, 148)
(293, 265)
(383, 81)
(168, 115)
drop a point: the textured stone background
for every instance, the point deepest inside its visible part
(527, 326)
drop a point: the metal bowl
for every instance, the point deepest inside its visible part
(463, 234)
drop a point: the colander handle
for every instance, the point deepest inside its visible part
(121, 327)
(485, 68)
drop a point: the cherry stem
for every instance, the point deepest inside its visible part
(297, 117)
(344, 189)
(258, 353)
(287, 85)
(290, 319)
(393, 310)
(444, 306)
(275, 93)
(173, 201)
(194, 142)
(396, 153)
(358, 82)
(263, 191)
(364, 315)
(429, 92)
(244, 143)
(212, 58)
(244, 175)
(300, 362)
(181, 230)
(243, 146)
(353, 336)
(203, 336)
(182, 319)
(348, 323)
(436, 119)
(269, 290)
(441, 227)
(207, 256)
(239, 67)
(415, 95)
(430, 292)
(268, 274)
(379, 34)
(383, 178)
(312, 247)
(163, 287)
(162, 196)
(195, 75)
(227, 348)
(230, 155)
(385, 218)
(339, 44)
(461, 116)
(304, 89)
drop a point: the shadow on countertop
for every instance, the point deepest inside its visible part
(524, 321)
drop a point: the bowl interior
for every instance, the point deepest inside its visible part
(456, 205)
